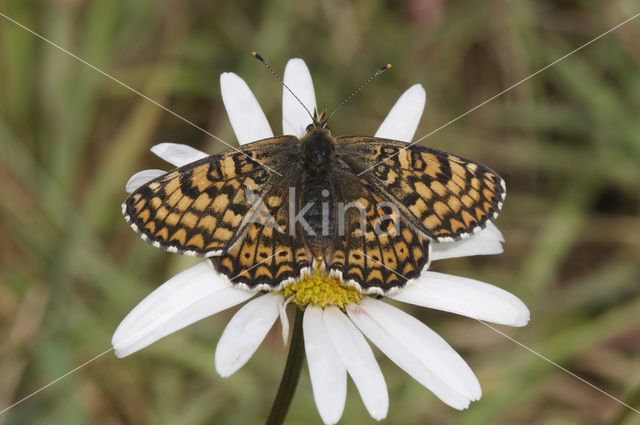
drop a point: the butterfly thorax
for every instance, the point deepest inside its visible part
(317, 148)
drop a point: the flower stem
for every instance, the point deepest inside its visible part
(290, 376)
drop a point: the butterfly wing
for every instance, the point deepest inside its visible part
(443, 195)
(268, 256)
(202, 208)
(378, 250)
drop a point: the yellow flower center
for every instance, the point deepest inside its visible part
(318, 288)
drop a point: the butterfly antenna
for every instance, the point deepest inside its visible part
(356, 91)
(275, 74)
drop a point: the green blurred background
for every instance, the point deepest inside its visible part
(567, 142)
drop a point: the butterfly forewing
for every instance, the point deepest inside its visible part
(202, 208)
(443, 195)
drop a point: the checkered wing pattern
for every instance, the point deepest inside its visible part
(444, 196)
(379, 251)
(267, 256)
(205, 207)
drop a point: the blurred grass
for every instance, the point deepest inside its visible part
(567, 143)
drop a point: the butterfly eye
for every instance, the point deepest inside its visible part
(309, 127)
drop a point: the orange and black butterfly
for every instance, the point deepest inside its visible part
(365, 208)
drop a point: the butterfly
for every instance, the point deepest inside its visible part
(367, 209)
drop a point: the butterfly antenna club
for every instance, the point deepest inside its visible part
(275, 74)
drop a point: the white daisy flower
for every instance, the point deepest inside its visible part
(336, 319)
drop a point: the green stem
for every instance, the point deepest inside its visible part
(290, 376)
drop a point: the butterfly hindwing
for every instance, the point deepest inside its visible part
(378, 251)
(443, 195)
(267, 256)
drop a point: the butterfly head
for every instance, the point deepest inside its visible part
(319, 122)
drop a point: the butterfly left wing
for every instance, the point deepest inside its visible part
(444, 196)
(268, 256)
(202, 208)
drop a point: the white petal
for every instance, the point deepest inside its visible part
(245, 332)
(488, 241)
(246, 116)
(439, 355)
(187, 297)
(284, 320)
(328, 374)
(294, 117)
(403, 119)
(468, 297)
(142, 177)
(178, 154)
(491, 228)
(418, 351)
(359, 361)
